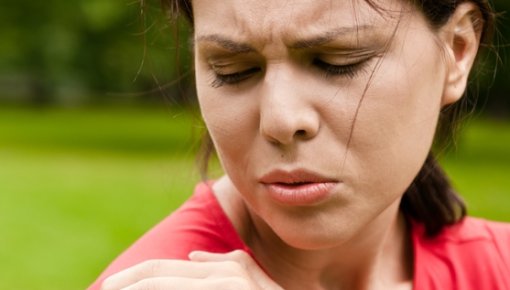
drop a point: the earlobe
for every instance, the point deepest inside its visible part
(461, 38)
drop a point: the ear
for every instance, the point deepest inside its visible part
(461, 38)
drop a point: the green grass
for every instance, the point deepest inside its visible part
(78, 186)
(480, 168)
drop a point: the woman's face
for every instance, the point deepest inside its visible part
(322, 112)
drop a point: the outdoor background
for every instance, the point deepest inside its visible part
(97, 139)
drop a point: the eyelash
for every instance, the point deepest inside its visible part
(350, 71)
(234, 78)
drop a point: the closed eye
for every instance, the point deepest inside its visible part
(347, 70)
(233, 78)
(330, 70)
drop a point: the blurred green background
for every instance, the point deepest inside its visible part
(97, 141)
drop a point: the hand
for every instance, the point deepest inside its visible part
(205, 271)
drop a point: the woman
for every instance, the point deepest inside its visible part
(323, 114)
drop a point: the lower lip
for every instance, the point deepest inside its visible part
(300, 195)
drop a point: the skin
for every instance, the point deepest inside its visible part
(268, 104)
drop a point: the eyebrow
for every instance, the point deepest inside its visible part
(228, 44)
(329, 36)
(240, 47)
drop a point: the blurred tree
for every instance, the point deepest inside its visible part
(498, 102)
(83, 51)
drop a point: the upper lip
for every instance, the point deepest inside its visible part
(294, 176)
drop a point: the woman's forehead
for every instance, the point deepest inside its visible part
(293, 21)
(296, 24)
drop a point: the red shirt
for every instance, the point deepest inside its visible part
(472, 254)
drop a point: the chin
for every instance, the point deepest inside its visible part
(316, 237)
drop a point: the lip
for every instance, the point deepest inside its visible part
(298, 187)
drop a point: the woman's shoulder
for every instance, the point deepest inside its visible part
(489, 239)
(471, 230)
(471, 254)
(198, 224)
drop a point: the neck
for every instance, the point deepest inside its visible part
(378, 258)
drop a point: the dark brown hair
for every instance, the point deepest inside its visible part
(430, 199)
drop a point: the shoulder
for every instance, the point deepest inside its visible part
(199, 224)
(471, 254)
(472, 232)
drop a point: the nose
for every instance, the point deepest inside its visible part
(287, 113)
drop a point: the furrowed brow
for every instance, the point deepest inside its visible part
(228, 44)
(329, 36)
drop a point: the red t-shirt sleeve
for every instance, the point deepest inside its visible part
(199, 224)
(470, 255)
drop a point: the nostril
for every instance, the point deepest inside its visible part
(300, 133)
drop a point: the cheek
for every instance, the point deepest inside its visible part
(400, 113)
(404, 100)
(396, 123)
(231, 120)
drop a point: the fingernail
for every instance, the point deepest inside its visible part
(195, 254)
(192, 255)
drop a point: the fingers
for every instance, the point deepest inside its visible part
(234, 270)
(242, 259)
(239, 257)
(170, 283)
(155, 269)
(179, 283)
